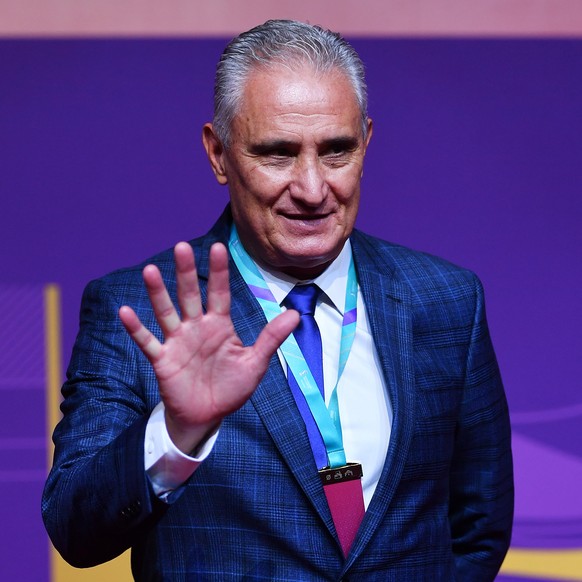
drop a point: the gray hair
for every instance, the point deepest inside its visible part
(282, 43)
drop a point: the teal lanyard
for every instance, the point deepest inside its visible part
(326, 418)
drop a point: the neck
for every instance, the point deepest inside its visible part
(305, 274)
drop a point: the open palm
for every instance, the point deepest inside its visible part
(203, 370)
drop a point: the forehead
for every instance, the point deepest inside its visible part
(279, 97)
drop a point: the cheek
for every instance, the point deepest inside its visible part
(253, 188)
(349, 201)
(351, 213)
(252, 211)
(266, 185)
(347, 190)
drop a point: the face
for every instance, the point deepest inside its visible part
(293, 167)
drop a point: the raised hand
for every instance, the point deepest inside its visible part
(204, 372)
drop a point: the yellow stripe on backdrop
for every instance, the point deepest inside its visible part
(546, 564)
(52, 331)
(118, 570)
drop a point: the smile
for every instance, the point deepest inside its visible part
(306, 217)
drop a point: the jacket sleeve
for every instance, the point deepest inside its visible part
(481, 478)
(98, 500)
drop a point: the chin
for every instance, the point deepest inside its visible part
(306, 265)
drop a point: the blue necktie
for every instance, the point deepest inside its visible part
(303, 299)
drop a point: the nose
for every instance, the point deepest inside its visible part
(309, 185)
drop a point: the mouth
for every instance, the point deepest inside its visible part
(305, 223)
(307, 218)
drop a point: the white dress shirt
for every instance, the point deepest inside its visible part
(364, 405)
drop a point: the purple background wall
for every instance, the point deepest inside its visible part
(476, 156)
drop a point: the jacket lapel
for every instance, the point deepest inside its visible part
(388, 306)
(273, 399)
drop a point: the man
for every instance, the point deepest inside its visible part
(200, 438)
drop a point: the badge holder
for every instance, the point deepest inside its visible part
(343, 489)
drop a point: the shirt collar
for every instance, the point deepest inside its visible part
(332, 281)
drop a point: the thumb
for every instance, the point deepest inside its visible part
(273, 335)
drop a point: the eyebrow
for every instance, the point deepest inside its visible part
(342, 142)
(268, 146)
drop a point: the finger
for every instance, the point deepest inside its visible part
(218, 283)
(187, 281)
(273, 335)
(163, 307)
(141, 335)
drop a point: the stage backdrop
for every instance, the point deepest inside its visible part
(476, 156)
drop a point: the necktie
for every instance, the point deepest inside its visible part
(345, 499)
(303, 299)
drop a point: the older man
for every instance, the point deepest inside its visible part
(370, 444)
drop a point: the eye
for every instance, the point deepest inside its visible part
(339, 149)
(336, 150)
(281, 153)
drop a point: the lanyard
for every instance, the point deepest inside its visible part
(326, 418)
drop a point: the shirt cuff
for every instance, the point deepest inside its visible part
(167, 466)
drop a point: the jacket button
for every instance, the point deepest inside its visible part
(131, 510)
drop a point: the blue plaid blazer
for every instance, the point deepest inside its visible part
(255, 509)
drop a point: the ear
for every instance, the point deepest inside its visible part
(369, 136)
(215, 152)
(367, 141)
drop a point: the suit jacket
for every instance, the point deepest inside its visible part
(255, 508)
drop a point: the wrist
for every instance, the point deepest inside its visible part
(189, 439)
